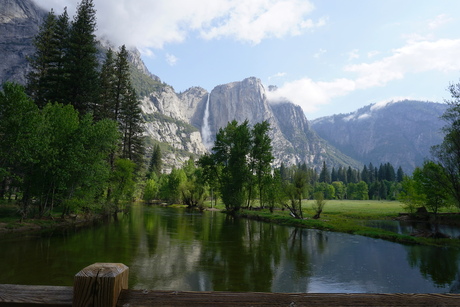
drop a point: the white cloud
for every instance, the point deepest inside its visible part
(372, 54)
(277, 75)
(255, 20)
(310, 94)
(414, 57)
(353, 54)
(320, 52)
(152, 24)
(171, 59)
(439, 21)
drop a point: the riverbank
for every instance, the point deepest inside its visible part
(10, 221)
(350, 217)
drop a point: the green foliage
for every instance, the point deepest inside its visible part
(170, 186)
(65, 69)
(193, 190)
(151, 190)
(431, 181)
(447, 154)
(274, 193)
(340, 189)
(81, 64)
(358, 191)
(57, 157)
(231, 150)
(156, 163)
(328, 190)
(295, 192)
(318, 204)
(122, 182)
(410, 195)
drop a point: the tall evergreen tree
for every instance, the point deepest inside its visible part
(155, 164)
(57, 73)
(325, 176)
(365, 175)
(38, 80)
(400, 174)
(132, 130)
(372, 173)
(342, 175)
(81, 60)
(122, 84)
(334, 175)
(107, 88)
(261, 156)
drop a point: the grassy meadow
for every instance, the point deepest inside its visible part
(349, 216)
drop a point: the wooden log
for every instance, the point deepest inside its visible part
(219, 298)
(100, 284)
(20, 295)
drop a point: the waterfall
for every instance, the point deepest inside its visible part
(205, 130)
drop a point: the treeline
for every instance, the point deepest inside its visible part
(73, 136)
(238, 171)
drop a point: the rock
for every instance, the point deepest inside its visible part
(400, 133)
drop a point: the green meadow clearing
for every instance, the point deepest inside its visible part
(349, 216)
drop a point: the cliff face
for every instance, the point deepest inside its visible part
(401, 133)
(19, 23)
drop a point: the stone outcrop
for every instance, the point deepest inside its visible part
(19, 23)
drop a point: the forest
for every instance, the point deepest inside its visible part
(72, 137)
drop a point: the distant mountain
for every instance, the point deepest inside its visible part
(397, 132)
(293, 140)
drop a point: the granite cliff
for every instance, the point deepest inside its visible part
(401, 132)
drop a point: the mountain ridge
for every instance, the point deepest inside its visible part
(177, 120)
(399, 132)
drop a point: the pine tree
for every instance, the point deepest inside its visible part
(155, 164)
(57, 72)
(400, 174)
(365, 175)
(132, 130)
(38, 81)
(107, 83)
(261, 156)
(122, 82)
(324, 176)
(126, 110)
(81, 60)
(334, 175)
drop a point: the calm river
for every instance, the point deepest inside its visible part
(172, 249)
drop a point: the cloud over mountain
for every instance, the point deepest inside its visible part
(152, 24)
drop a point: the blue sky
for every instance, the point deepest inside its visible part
(329, 56)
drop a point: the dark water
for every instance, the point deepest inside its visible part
(172, 249)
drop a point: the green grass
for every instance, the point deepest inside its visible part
(347, 216)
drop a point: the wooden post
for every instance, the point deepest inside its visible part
(100, 284)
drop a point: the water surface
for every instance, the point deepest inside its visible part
(174, 249)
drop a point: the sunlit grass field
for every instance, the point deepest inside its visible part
(357, 209)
